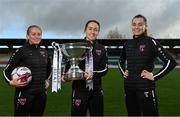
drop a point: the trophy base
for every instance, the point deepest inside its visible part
(69, 79)
(74, 74)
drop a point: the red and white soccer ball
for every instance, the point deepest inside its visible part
(23, 72)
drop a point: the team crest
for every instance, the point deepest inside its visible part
(77, 102)
(98, 52)
(146, 94)
(22, 101)
(142, 47)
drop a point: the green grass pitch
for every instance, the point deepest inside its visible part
(58, 104)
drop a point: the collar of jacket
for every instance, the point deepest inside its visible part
(27, 44)
(92, 44)
(139, 37)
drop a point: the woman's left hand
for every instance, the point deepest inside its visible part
(88, 75)
(147, 74)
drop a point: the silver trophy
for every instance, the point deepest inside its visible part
(75, 52)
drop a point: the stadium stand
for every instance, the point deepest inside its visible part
(113, 47)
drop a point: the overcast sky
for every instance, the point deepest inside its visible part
(66, 18)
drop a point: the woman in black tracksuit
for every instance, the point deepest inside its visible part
(139, 81)
(30, 99)
(87, 94)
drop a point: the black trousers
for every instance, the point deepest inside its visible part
(26, 104)
(84, 100)
(141, 102)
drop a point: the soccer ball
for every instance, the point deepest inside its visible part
(23, 72)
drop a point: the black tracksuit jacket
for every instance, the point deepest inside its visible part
(37, 60)
(140, 54)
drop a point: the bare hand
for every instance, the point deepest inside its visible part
(147, 74)
(125, 74)
(88, 75)
(62, 78)
(17, 83)
(46, 84)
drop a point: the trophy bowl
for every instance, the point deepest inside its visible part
(75, 52)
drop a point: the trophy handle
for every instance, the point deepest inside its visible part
(56, 45)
